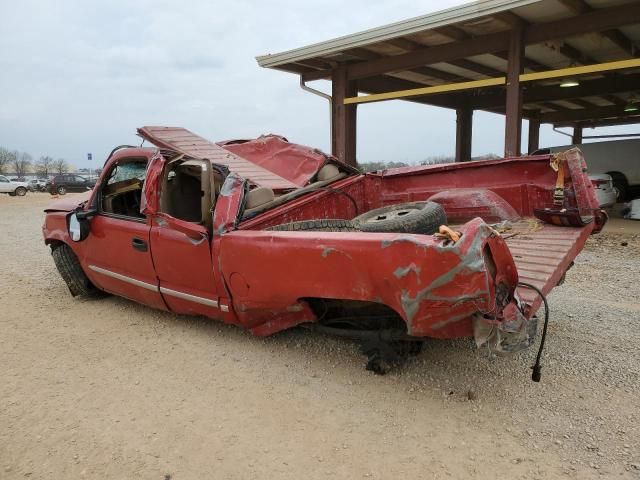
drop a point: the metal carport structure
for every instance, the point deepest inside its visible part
(563, 62)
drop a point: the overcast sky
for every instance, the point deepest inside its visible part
(80, 76)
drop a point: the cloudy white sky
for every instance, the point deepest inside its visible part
(79, 76)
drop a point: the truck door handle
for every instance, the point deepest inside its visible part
(139, 244)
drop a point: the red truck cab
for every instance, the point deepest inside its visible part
(269, 235)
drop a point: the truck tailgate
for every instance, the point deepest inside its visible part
(543, 253)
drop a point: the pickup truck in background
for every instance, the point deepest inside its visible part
(270, 235)
(13, 187)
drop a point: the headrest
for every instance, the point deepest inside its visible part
(328, 172)
(259, 196)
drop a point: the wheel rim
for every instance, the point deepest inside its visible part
(62, 190)
(21, 192)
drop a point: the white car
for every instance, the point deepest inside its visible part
(13, 188)
(603, 186)
(632, 211)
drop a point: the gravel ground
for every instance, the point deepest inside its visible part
(111, 389)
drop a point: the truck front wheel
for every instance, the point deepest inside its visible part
(71, 272)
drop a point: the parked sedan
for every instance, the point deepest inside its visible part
(603, 186)
(69, 182)
(13, 187)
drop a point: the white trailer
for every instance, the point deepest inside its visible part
(618, 158)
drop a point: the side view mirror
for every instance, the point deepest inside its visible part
(86, 214)
(79, 225)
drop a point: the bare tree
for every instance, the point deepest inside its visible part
(374, 166)
(21, 163)
(6, 159)
(60, 166)
(44, 166)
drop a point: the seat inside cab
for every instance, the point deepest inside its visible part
(189, 190)
(261, 198)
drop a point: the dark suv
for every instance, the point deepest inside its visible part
(69, 182)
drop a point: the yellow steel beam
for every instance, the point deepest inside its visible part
(492, 82)
(449, 87)
(575, 71)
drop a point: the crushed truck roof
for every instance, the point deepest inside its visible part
(268, 161)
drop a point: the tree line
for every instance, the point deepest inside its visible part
(374, 166)
(22, 163)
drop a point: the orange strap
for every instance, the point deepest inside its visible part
(450, 234)
(557, 164)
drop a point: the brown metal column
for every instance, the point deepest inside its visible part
(576, 138)
(464, 129)
(534, 135)
(343, 135)
(513, 123)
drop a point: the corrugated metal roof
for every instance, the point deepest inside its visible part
(463, 13)
(472, 23)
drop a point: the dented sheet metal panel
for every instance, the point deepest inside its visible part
(227, 209)
(296, 163)
(524, 183)
(184, 141)
(68, 204)
(433, 285)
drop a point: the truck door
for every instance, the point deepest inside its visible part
(181, 239)
(117, 252)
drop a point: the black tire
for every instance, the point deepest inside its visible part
(331, 225)
(414, 217)
(21, 191)
(61, 190)
(620, 185)
(71, 272)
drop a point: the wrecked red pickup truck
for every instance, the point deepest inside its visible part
(269, 235)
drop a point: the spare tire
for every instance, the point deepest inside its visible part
(414, 217)
(327, 225)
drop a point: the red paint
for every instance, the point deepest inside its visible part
(184, 141)
(296, 163)
(261, 279)
(110, 247)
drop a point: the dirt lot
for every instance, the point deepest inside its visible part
(110, 389)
